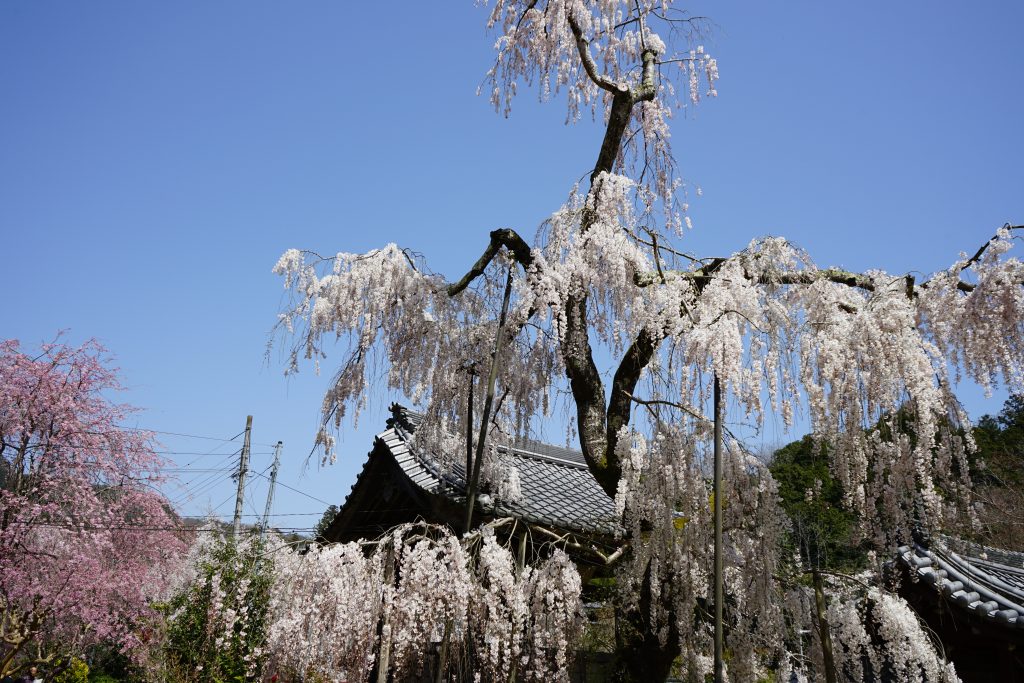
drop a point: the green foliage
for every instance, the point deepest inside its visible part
(823, 530)
(110, 665)
(104, 677)
(997, 470)
(78, 672)
(1000, 442)
(203, 644)
(321, 527)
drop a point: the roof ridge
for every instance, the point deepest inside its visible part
(406, 420)
(557, 490)
(518, 450)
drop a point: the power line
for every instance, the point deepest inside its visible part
(276, 514)
(193, 436)
(292, 488)
(204, 484)
(220, 463)
(191, 470)
(128, 527)
(206, 453)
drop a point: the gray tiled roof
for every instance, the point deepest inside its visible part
(557, 489)
(986, 581)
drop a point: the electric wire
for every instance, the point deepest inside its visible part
(195, 488)
(292, 488)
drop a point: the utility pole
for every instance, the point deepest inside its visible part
(270, 493)
(243, 469)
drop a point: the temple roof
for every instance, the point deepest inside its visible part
(556, 488)
(986, 581)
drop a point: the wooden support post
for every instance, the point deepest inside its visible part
(824, 633)
(492, 377)
(469, 426)
(717, 505)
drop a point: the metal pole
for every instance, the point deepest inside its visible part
(270, 493)
(717, 506)
(243, 469)
(469, 427)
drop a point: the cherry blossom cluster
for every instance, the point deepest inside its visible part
(605, 295)
(666, 499)
(393, 314)
(880, 633)
(594, 50)
(342, 611)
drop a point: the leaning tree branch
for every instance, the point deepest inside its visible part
(981, 250)
(505, 237)
(635, 360)
(701, 277)
(968, 287)
(589, 65)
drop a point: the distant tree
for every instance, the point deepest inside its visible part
(824, 532)
(321, 527)
(85, 543)
(998, 474)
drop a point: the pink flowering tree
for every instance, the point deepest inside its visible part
(85, 543)
(609, 313)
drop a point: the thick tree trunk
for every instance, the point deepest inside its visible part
(641, 654)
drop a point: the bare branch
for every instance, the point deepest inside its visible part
(968, 287)
(671, 404)
(564, 540)
(981, 250)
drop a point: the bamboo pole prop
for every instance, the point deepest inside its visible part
(717, 506)
(469, 424)
(488, 402)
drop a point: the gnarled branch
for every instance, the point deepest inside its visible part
(703, 276)
(505, 237)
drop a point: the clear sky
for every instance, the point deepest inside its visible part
(156, 158)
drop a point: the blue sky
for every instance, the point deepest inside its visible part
(156, 159)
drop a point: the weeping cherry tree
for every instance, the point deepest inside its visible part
(609, 316)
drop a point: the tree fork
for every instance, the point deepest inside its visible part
(637, 357)
(598, 427)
